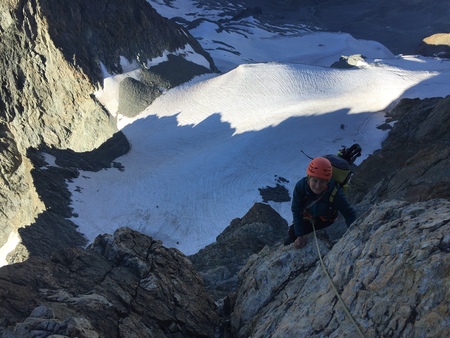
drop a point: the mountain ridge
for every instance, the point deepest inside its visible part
(47, 96)
(127, 284)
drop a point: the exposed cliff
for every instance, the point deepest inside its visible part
(220, 262)
(53, 56)
(413, 162)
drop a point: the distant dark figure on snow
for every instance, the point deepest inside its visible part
(312, 202)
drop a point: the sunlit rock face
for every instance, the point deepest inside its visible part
(436, 44)
(391, 270)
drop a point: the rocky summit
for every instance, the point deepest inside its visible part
(385, 276)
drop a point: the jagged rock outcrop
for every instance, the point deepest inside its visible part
(391, 269)
(123, 285)
(54, 55)
(19, 202)
(414, 160)
(220, 262)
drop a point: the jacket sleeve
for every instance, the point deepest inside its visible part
(344, 207)
(298, 198)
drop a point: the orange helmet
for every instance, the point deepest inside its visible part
(320, 167)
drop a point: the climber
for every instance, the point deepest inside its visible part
(311, 202)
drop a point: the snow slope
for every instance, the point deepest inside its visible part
(201, 151)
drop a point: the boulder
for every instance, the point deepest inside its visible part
(352, 61)
(435, 45)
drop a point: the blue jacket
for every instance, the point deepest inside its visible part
(323, 211)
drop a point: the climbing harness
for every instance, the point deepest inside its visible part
(332, 284)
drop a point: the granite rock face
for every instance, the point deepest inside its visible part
(391, 270)
(123, 285)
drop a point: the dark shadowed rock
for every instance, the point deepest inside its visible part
(102, 31)
(219, 262)
(136, 95)
(415, 157)
(278, 193)
(123, 285)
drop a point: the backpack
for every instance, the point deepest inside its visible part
(342, 166)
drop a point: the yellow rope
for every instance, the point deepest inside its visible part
(332, 284)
